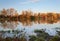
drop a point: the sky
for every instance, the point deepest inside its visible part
(34, 5)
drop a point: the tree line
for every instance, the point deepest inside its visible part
(12, 15)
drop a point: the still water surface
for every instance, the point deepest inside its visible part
(29, 27)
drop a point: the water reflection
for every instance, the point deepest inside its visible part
(29, 25)
(10, 24)
(13, 24)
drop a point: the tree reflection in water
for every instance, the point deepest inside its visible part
(11, 24)
(27, 22)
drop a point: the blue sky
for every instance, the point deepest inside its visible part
(34, 5)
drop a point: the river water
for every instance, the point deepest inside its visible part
(30, 27)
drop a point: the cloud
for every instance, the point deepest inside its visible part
(24, 2)
(29, 1)
(34, 0)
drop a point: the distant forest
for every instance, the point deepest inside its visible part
(29, 16)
